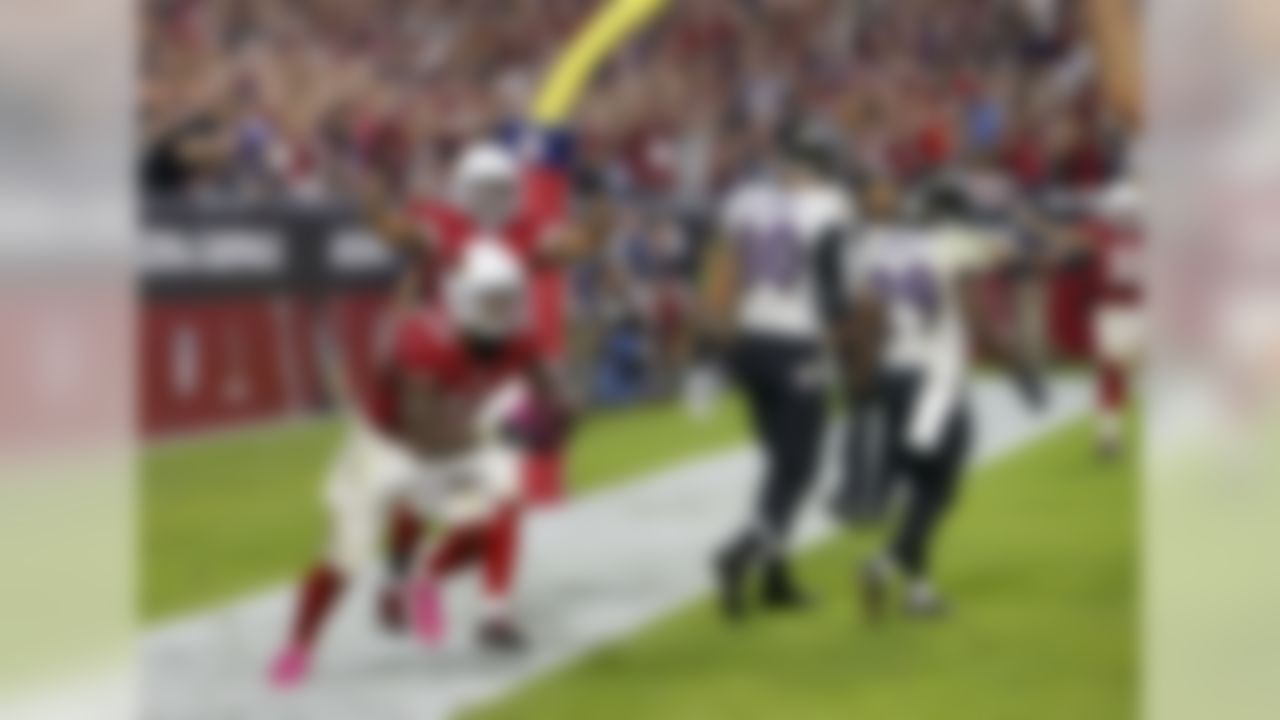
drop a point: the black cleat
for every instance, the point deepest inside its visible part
(928, 606)
(873, 589)
(502, 636)
(731, 570)
(780, 591)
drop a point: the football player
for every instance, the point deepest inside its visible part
(773, 278)
(915, 299)
(425, 446)
(523, 206)
(1111, 239)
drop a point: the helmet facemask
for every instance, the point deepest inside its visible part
(486, 184)
(486, 294)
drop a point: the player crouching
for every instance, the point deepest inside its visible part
(431, 451)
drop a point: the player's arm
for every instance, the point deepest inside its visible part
(828, 272)
(564, 245)
(550, 187)
(1062, 243)
(387, 219)
(408, 285)
(596, 221)
(557, 408)
(854, 313)
(859, 338)
(551, 383)
(721, 291)
(993, 344)
(989, 342)
(973, 255)
(579, 238)
(385, 215)
(1117, 42)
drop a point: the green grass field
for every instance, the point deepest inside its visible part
(231, 514)
(1040, 562)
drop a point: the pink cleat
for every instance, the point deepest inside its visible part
(427, 611)
(290, 669)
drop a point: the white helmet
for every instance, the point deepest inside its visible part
(486, 181)
(485, 293)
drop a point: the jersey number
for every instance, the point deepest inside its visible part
(913, 285)
(773, 257)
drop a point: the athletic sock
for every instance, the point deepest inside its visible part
(1112, 394)
(457, 549)
(501, 552)
(317, 596)
(405, 530)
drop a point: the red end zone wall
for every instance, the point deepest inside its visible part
(221, 361)
(217, 362)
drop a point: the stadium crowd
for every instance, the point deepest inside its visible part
(288, 101)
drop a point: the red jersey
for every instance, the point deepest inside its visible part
(1118, 263)
(451, 229)
(426, 344)
(526, 234)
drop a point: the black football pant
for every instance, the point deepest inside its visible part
(786, 397)
(878, 455)
(865, 475)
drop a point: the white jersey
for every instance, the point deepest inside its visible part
(916, 275)
(776, 233)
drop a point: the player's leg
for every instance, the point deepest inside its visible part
(501, 552)
(745, 549)
(318, 594)
(934, 479)
(893, 395)
(482, 521)
(457, 548)
(800, 433)
(1116, 331)
(494, 545)
(787, 405)
(356, 500)
(1112, 389)
(501, 534)
(404, 531)
(863, 493)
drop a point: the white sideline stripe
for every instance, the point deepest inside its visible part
(596, 570)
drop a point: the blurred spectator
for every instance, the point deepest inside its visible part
(286, 100)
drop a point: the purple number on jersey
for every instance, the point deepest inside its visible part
(914, 284)
(773, 257)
